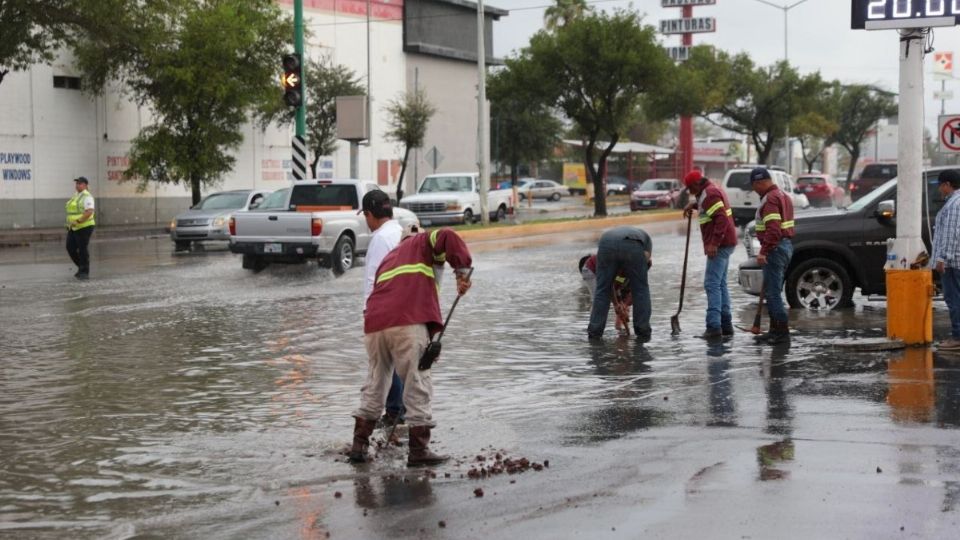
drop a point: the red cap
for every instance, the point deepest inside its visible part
(692, 178)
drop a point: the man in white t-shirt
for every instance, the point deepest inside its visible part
(377, 210)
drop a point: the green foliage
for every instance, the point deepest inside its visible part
(407, 120)
(564, 11)
(32, 30)
(324, 82)
(202, 67)
(526, 129)
(859, 107)
(814, 130)
(597, 69)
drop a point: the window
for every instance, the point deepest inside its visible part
(325, 195)
(69, 83)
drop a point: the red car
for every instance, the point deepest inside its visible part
(821, 190)
(658, 193)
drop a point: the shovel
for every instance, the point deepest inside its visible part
(755, 329)
(432, 352)
(675, 319)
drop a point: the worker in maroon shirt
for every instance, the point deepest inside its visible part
(403, 313)
(775, 228)
(719, 236)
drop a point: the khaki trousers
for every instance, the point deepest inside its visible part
(398, 348)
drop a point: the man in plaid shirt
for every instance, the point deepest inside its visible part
(946, 253)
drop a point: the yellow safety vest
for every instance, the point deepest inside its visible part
(75, 211)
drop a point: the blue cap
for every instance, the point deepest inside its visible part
(759, 173)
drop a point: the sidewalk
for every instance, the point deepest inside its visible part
(25, 237)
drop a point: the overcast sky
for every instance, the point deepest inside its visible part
(819, 38)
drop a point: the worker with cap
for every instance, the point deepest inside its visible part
(946, 253)
(774, 226)
(378, 212)
(719, 236)
(622, 299)
(402, 315)
(80, 225)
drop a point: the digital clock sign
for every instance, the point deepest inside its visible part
(887, 14)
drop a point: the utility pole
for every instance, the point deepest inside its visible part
(483, 142)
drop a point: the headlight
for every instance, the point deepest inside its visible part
(453, 206)
(173, 223)
(221, 221)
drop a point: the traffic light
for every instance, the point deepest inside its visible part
(291, 80)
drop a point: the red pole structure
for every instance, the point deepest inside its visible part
(686, 123)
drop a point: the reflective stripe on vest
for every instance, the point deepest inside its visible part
(418, 268)
(74, 209)
(441, 258)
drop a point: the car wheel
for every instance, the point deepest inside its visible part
(522, 197)
(254, 263)
(342, 257)
(611, 192)
(555, 196)
(819, 285)
(501, 213)
(182, 245)
(467, 216)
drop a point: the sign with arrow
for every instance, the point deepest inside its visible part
(950, 134)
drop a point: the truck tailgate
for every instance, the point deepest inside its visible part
(273, 227)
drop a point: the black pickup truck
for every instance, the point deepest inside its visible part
(836, 251)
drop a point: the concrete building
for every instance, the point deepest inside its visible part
(51, 132)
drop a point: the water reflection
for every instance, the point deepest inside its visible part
(911, 393)
(771, 457)
(723, 411)
(947, 390)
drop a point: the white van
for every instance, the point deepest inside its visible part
(744, 202)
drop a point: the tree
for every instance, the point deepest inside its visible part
(407, 119)
(814, 130)
(527, 129)
(202, 68)
(34, 29)
(597, 69)
(564, 11)
(734, 94)
(324, 82)
(860, 108)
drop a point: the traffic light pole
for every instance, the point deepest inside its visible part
(298, 47)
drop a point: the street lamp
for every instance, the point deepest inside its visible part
(786, 10)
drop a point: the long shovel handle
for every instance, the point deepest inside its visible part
(686, 255)
(756, 318)
(453, 307)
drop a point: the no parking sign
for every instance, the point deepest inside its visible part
(950, 134)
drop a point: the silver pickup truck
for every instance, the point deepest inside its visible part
(313, 219)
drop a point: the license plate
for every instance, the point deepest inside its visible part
(646, 203)
(273, 248)
(425, 222)
(808, 189)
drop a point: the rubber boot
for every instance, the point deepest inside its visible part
(361, 439)
(712, 334)
(419, 453)
(765, 337)
(781, 333)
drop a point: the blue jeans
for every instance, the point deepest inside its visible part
(950, 282)
(613, 255)
(715, 285)
(773, 275)
(395, 397)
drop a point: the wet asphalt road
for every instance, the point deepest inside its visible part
(181, 397)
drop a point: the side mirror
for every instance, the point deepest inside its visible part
(886, 210)
(797, 190)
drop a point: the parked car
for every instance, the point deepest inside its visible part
(821, 190)
(455, 198)
(312, 220)
(744, 202)
(209, 219)
(541, 189)
(838, 250)
(617, 185)
(658, 193)
(872, 176)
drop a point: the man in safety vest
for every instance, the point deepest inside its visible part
(719, 236)
(774, 226)
(80, 225)
(628, 250)
(403, 313)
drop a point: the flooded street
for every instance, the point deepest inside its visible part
(179, 396)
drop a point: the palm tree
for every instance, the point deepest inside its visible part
(563, 12)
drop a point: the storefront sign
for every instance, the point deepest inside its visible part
(16, 166)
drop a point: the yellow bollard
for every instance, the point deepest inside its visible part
(910, 306)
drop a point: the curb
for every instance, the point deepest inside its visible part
(26, 237)
(584, 224)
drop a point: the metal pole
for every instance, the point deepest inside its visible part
(786, 58)
(484, 143)
(910, 151)
(298, 47)
(354, 159)
(686, 122)
(369, 84)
